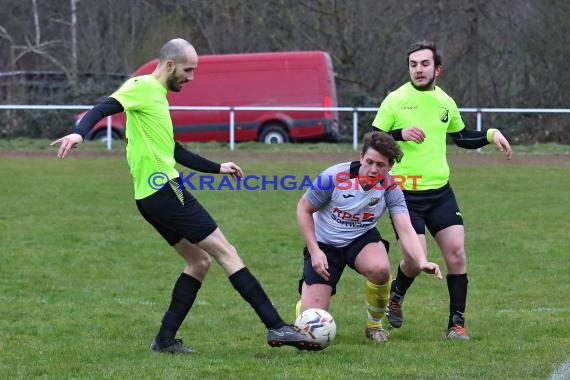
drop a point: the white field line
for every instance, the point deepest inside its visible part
(562, 372)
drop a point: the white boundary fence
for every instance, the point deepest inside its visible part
(232, 110)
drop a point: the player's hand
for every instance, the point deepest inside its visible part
(231, 169)
(66, 143)
(414, 134)
(320, 264)
(431, 268)
(502, 144)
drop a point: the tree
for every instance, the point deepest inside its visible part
(496, 54)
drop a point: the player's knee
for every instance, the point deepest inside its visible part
(455, 256)
(378, 275)
(207, 263)
(203, 264)
(411, 268)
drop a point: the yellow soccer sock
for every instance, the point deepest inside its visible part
(377, 297)
(297, 309)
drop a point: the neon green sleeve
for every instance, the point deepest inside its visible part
(456, 124)
(131, 94)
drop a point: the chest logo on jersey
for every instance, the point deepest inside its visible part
(373, 201)
(444, 115)
(342, 215)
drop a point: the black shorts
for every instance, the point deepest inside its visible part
(338, 259)
(435, 209)
(175, 219)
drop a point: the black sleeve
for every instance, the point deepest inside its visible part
(106, 108)
(193, 161)
(469, 138)
(395, 133)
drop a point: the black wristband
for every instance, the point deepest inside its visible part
(396, 134)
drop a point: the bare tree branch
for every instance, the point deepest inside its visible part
(36, 21)
(5, 35)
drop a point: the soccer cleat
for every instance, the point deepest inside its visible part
(177, 347)
(289, 335)
(457, 332)
(394, 312)
(377, 334)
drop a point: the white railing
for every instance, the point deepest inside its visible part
(232, 110)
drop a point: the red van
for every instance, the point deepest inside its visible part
(279, 79)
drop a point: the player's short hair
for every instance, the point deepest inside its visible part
(421, 45)
(174, 49)
(384, 144)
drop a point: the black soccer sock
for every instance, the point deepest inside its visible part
(183, 296)
(402, 283)
(250, 289)
(457, 287)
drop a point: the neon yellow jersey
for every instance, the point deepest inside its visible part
(150, 136)
(436, 114)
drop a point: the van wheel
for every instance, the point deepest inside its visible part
(101, 135)
(274, 134)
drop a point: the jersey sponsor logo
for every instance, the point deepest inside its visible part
(342, 215)
(368, 217)
(347, 196)
(409, 108)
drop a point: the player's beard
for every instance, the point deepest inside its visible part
(426, 87)
(173, 83)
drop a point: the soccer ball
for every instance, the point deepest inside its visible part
(319, 324)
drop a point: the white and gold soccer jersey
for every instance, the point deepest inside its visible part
(345, 209)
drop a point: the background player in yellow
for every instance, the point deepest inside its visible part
(420, 115)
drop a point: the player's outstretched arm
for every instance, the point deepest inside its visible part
(231, 169)
(108, 107)
(194, 161)
(66, 143)
(473, 139)
(502, 143)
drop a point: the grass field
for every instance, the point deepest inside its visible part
(84, 281)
